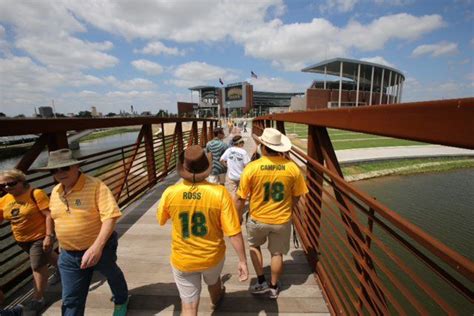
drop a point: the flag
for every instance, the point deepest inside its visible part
(254, 75)
(220, 80)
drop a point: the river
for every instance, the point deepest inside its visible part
(86, 148)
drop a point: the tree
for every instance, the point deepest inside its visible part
(84, 114)
(110, 114)
(2, 114)
(20, 116)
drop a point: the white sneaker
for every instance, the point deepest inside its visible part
(273, 293)
(259, 288)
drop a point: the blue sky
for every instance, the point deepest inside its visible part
(113, 54)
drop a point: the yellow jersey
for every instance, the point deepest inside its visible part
(201, 214)
(271, 182)
(24, 214)
(78, 214)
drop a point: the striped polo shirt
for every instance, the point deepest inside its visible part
(78, 214)
(216, 147)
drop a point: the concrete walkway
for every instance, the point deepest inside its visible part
(399, 152)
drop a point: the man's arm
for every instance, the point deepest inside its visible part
(93, 254)
(238, 244)
(239, 205)
(48, 239)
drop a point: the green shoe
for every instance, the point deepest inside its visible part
(121, 310)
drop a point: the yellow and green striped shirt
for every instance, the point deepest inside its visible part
(78, 214)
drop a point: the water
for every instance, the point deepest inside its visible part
(86, 148)
(440, 203)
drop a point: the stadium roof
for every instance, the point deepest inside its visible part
(349, 70)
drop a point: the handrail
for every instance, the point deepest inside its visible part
(129, 170)
(366, 256)
(419, 121)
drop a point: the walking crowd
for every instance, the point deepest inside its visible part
(81, 213)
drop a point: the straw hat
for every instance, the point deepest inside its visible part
(194, 165)
(274, 139)
(61, 158)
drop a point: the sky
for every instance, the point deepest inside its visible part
(148, 53)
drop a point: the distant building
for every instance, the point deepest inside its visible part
(240, 98)
(45, 111)
(358, 83)
(186, 109)
(94, 111)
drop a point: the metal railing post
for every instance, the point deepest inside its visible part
(149, 152)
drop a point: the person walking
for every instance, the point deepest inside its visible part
(27, 209)
(217, 147)
(235, 159)
(274, 185)
(85, 212)
(201, 214)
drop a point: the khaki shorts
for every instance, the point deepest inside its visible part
(189, 283)
(38, 257)
(278, 236)
(218, 178)
(231, 186)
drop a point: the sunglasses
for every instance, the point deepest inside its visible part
(8, 184)
(56, 170)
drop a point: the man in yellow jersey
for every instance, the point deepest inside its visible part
(274, 184)
(202, 213)
(84, 213)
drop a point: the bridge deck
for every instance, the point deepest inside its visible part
(143, 255)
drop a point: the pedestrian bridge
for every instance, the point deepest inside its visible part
(356, 255)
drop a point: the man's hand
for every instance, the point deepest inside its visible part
(91, 257)
(243, 271)
(47, 243)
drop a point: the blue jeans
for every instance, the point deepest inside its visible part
(75, 281)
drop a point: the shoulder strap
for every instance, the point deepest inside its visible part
(32, 195)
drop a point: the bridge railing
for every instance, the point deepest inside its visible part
(367, 258)
(128, 170)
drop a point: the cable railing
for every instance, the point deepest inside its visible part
(128, 170)
(367, 258)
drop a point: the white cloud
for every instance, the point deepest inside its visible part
(413, 90)
(157, 48)
(181, 21)
(275, 84)
(133, 84)
(197, 73)
(292, 46)
(44, 30)
(435, 50)
(147, 66)
(379, 60)
(339, 5)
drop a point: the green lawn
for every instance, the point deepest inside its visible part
(349, 140)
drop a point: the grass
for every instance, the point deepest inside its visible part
(350, 140)
(109, 132)
(418, 165)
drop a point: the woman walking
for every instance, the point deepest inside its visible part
(27, 209)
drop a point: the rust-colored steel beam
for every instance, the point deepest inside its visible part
(163, 142)
(10, 127)
(129, 165)
(30, 156)
(457, 261)
(149, 153)
(444, 122)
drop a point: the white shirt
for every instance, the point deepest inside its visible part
(236, 158)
